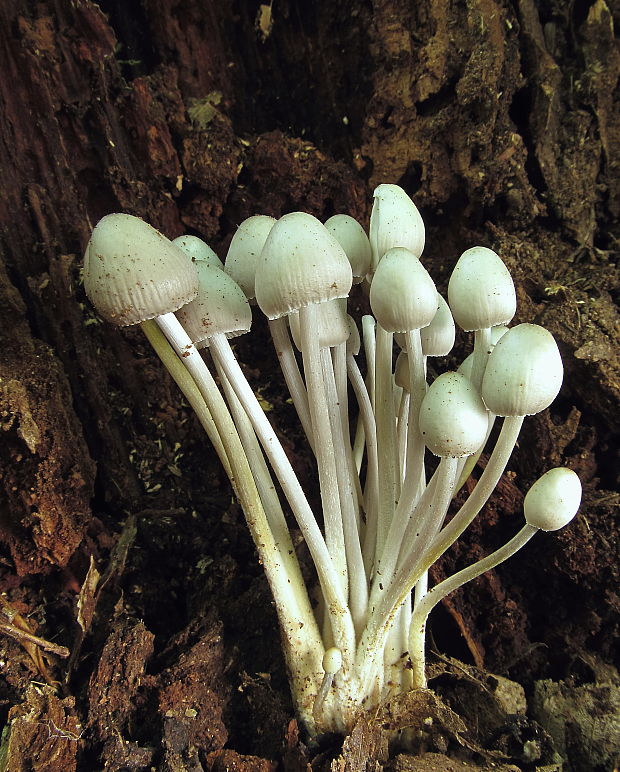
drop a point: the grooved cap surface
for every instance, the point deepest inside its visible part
(133, 273)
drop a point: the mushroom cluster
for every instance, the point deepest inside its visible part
(384, 501)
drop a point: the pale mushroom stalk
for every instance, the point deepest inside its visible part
(369, 326)
(439, 591)
(262, 476)
(371, 486)
(292, 376)
(370, 350)
(402, 430)
(386, 438)
(550, 504)
(339, 614)
(389, 602)
(188, 387)
(403, 298)
(485, 486)
(326, 463)
(339, 362)
(415, 443)
(358, 588)
(482, 347)
(453, 421)
(332, 664)
(300, 635)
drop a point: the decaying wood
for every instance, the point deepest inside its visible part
(502, 119)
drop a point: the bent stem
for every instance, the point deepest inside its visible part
(439, 592)
(188, 387)
(302, 641)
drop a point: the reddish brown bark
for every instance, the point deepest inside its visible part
(502, 118)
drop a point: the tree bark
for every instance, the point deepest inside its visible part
(502, 119)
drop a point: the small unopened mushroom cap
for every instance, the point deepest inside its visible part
(481, 292)
(245, 249)
(524, 372)
(401, 371)
(453, 419)
(402, 294)
(332, 660)
(438, 337)
(353, 239)
(553, 500)
(133, 273)
(333, 324)
(301, 264)
(220, 307)
(197, 249)
(394, 222)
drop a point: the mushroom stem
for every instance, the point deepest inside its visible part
(372, 464)
(358, 588)
(302, 641)
(415, 443)
(188, 387)
(339, 614)
(386, 439)
(439, 591)
(383, 606)
(485, 486)
(292, 376)
(482, 349)
(324, 446)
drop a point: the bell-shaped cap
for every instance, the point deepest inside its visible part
(481, 292)
(394, 222)
(197, 249)
(453, 419)
(353, 239)
(401, 371)
(402, 294)
(220, 307)
(438, 337)
(245, 249)
(133, 273)
(333, 324)
(301, 264)
(524, 372)
(553, 500)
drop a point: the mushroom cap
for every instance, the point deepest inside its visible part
(401, 371)
(394, 222)
(553, 500)
(133, 273)
(197, 249)
(481, 292)
(332, 660)
(353, 239)
(524, 372)
(219, 307)
(438, 337)
(402, 294)
(245, 249)
(453, 418)
(301, 264)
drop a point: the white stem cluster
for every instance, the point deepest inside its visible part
(383, 514)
